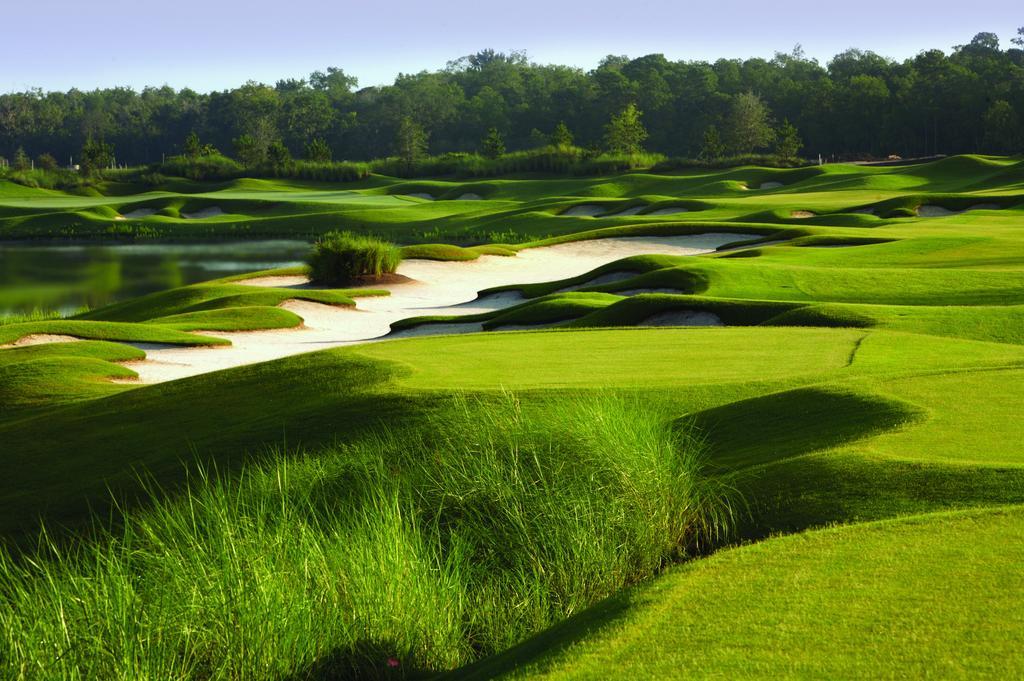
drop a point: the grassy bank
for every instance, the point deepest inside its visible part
(490, 522)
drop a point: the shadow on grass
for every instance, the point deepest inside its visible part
(371, 660)
(549, 643)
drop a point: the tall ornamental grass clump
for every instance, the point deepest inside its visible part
(405, 553)
(343, 258)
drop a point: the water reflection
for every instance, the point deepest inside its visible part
(66, 277)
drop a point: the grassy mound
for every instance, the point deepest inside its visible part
(343, 258)
(489, 524)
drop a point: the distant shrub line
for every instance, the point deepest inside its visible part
(563, 160)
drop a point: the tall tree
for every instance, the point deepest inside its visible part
(96, 155)
(561, 136)
(625, 133)
(493, 144)
(318, 151)
(788, 143)
(21, 160)
(749, 126)
(410, 142)
(711, 146)
(1002, 128)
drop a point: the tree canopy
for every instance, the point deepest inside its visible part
(860, 103)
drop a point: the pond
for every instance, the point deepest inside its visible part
(66, 277)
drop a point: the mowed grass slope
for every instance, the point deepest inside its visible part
(858, 411)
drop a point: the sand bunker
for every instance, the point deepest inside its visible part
(437, 330)
(40, 339)
(437, 288)
(138, 213)
(421, 195)
(683, 318)
(771, 185)
(802, 214)
(624, 213)
(585, 210)
(470, 196)
(671, 210)
(211, 212)
(931, 211)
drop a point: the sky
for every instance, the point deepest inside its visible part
(212, 44)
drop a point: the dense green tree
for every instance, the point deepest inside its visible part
(561, 136)
(712, 147)
(21, 160)
(193, 148)
(46, 162)
(318, 150)
(1002, 128)
(625, 133)
(278, 155)
(858, 104)
(96, 155)
(749, 126)
(787, 142)
(493, 144)
(410, 142)
(250, 151)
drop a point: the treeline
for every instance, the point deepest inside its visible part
(858, 105)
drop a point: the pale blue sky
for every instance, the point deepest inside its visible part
(210, 44)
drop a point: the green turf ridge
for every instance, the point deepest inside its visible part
(919, 596)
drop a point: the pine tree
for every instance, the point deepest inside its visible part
(624, 133)
(318, 151)
(789, 143)
(410, 142)
(193, 148)
(493, 144)
(562, 136)
(712, 147)
(21, 160)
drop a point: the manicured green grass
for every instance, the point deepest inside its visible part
(928, 596)
(870, 370)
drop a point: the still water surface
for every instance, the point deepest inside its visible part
(66, 277)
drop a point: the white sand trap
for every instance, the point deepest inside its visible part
(802, 214)
(625, 213)
(421, 195)
(40, 339)
(438, 288)
(607, 278)
(585, 210)
(743, 247)
(930, 211)
(771, 185)
(138, 213)
(672, 210)
(211, 212)
(683, 318)
(470, 196)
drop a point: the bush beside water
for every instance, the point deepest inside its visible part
(343, 258)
